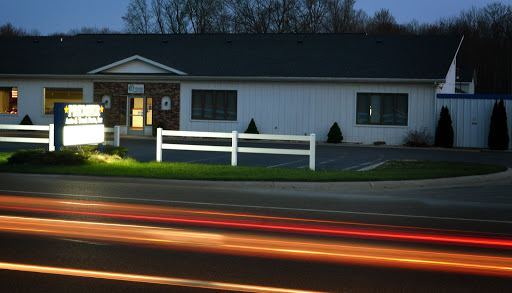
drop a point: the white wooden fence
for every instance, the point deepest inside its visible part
(116, 130)
(51, 135)
(50, 140)
(234, 149)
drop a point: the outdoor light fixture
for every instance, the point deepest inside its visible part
(106, 100)
(166, 103)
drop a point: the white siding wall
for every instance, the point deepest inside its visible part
(305, 108)
(31, 96)
(451, 77)
(471, 119)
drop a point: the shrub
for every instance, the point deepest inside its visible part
(88, 150)
(252, 128)
(498, 131)
(160, 124)
(417, 138)
(26, 121)
(44, 157)
(115, 151)
(334, 135)
(444, 130)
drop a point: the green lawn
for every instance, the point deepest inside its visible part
(392, 170)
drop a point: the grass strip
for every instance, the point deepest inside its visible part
(391, 170)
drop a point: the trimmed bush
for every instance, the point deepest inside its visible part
(161, 124)
(26, 121)
(88, 150)
(444, 131)
(44, 157)
(498, 131)
(417, 138)
(334, 135)
(252, 128)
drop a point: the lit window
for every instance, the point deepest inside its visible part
(61, 95)
(382, 109)
(9, 100)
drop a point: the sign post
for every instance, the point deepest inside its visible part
(78, 124)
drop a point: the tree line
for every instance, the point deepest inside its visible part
(487, 30)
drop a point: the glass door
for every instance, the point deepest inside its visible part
(136, 115)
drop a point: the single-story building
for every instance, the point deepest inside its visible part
(375, 87)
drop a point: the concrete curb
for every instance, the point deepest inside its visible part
(502, 177)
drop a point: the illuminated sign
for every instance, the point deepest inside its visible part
(77, 124)
(135, 88)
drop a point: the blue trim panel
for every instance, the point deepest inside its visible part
(473, 97)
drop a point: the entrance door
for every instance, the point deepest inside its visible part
(136, 117)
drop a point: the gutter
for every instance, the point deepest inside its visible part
(175, 78)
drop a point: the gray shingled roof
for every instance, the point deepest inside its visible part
(240, 55)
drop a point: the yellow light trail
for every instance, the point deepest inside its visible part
(194, 217)
(147, 279)
(260, 246)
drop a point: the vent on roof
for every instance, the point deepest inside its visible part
(165, 41)
(379, 41)
(35, 41)
(300, 41)
(99, 41)
(229, 41)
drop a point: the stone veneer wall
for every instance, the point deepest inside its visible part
(116, 90)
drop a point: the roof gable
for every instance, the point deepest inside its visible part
(137, 65)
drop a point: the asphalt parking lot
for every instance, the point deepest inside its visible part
(328, 157)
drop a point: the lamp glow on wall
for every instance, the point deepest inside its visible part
(166, 103)
(106, 100)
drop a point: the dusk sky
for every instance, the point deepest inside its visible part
(51, 16)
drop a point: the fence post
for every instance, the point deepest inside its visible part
(234, 148)
(312, 151)
(51, 138)
(117, 140)
(159, 144)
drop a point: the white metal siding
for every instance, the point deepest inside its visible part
(305, 108)
(31, 96)
(471, 119)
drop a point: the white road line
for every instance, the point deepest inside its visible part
(210, 158)
(286, 163)
(265, 207)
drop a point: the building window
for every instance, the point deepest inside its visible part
(9, 100)
(214, 105)
(122, 110)
(61, 95)
(149, 111)
(382, 109)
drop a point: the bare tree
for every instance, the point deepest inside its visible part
(284, 16)
(499, 18)
(91, 30)
(202, 15)
(138, 17)
(383, 22)
(311, 16)
(158, 12)
(176, 16)
(341, 17)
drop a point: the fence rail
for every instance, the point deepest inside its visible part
(116, 142)
(234, 149)
(50, 140)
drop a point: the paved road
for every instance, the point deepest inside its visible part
(484, 211)
(328, 157)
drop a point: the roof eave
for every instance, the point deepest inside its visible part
(143, 77)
